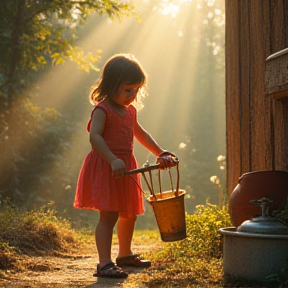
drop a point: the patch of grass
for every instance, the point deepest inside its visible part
(145, 237)
(197, 260)
(193, 262)
(32, 233)
(142, 238)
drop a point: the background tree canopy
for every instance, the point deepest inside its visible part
(35, 33)
(40, 143)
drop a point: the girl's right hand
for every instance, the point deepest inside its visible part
(118, 168)
(167, 159)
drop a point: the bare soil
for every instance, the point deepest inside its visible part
(77, 270)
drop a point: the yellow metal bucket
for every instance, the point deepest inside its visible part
(169, 210)
(168, 206)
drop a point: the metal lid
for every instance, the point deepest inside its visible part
(263, 224)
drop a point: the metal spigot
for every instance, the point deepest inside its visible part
(264, 203)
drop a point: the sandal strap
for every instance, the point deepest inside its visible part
(134, 256)
(133, 260)
(111, 270)
(107, 266)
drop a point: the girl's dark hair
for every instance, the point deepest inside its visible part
(119, 69)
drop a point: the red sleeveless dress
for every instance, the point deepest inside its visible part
(96, 186)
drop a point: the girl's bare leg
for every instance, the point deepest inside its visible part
(103, 236)
(125, 229)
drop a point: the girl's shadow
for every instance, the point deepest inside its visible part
(107, 282)
(114, 282)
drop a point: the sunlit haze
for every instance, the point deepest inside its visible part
(168, 45)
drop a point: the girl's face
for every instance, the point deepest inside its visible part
(126, 94)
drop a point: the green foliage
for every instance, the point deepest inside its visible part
(75, 54)
(202, 229)
(35, 31)
(197, 259)
(34, 34)
(282, 215)
(40, 142)
(277, 280)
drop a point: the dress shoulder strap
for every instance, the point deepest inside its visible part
(100, 105)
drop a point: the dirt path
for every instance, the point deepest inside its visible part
(77, 271)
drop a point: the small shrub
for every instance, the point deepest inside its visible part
(197, 259)
(278, 280)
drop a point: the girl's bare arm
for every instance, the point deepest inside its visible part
(147, 140)
(149, 143)
(99, 144)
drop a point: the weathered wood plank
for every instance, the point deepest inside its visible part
(267, 17)
(277, 12)
(245, 113)
(259, 140)
(284, 152)
(276, 74)
(261, 148)
(232, 94)
(285, 13)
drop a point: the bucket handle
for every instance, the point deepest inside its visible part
(148, 169)
(171, 181)
(143, 169)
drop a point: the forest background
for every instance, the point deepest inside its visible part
(50, 55)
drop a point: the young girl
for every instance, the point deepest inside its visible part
(102, 183)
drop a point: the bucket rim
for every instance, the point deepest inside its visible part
(181, 192)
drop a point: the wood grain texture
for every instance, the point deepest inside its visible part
(257, 128)
(232, 93)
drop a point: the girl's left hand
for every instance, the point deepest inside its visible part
(118, 168)
(167, 160)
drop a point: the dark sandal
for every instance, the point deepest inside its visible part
(133, 260)
(111, 270)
